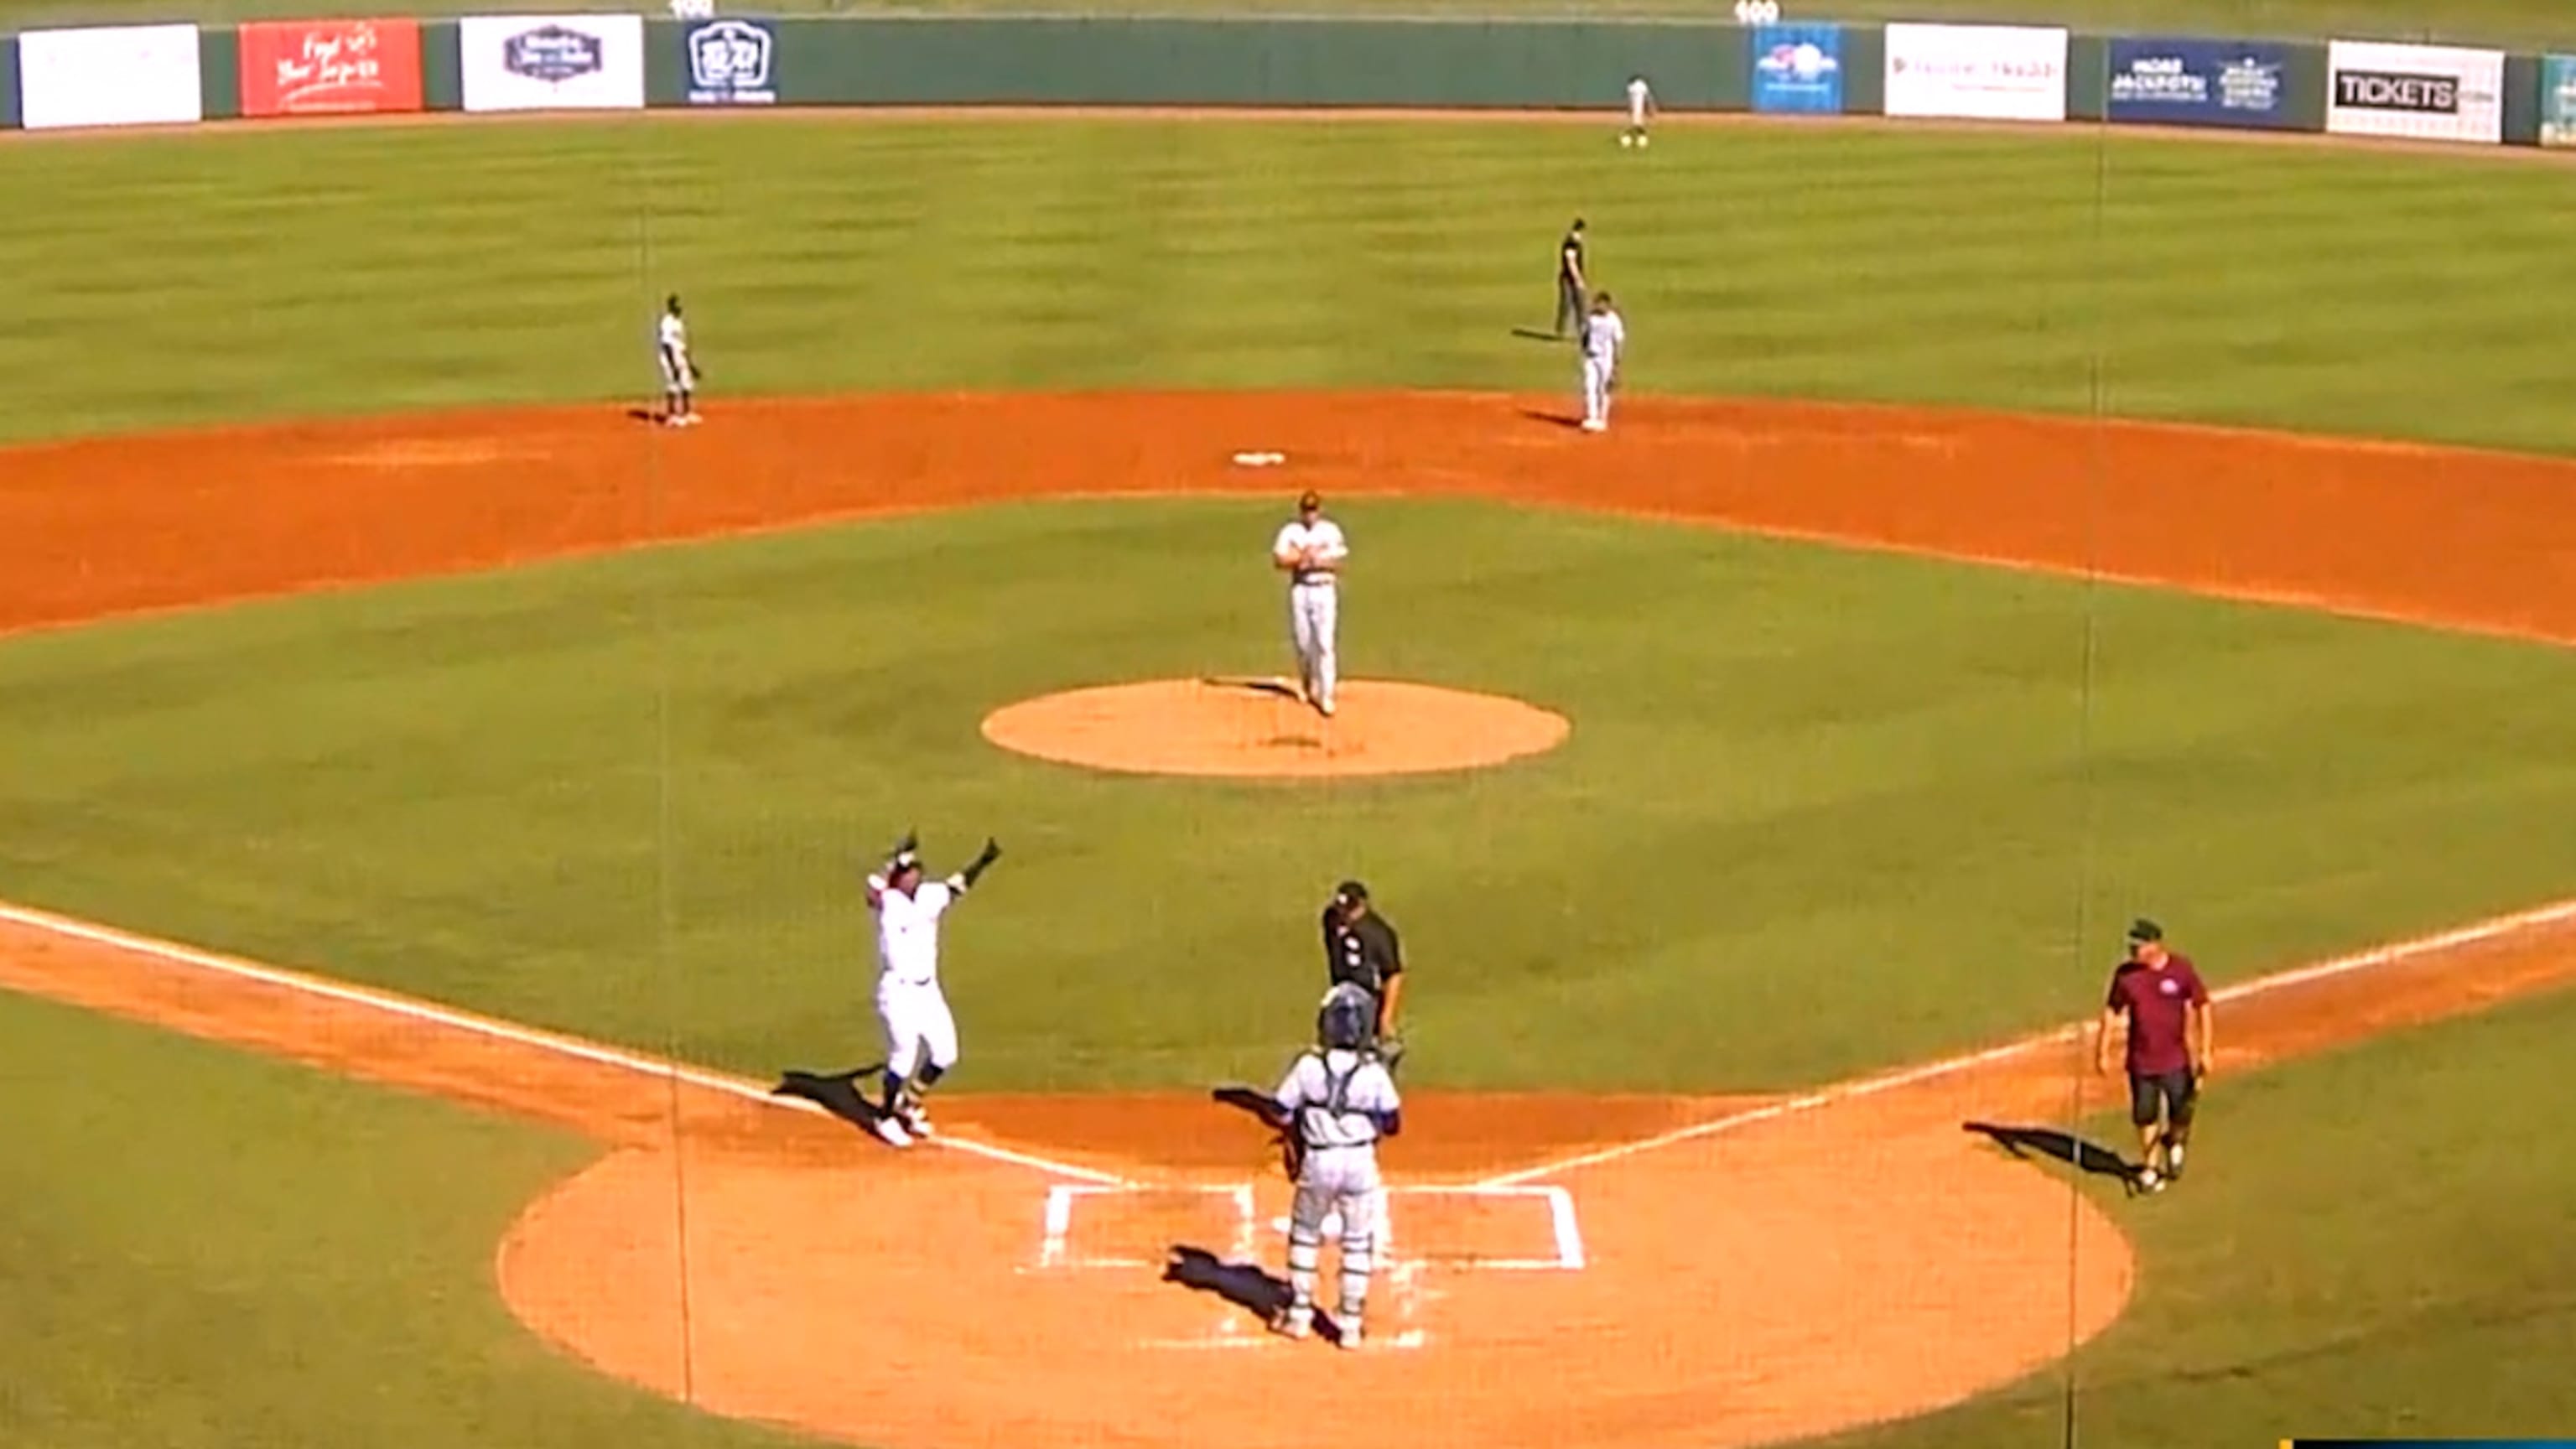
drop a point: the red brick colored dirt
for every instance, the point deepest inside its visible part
(1779, 1269)
(1260, 729)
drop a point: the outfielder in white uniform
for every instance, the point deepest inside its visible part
(920, 1031)
(1641, 108)
(1311, 550)
(1340, 1101)
(1605, 346)
(679, 370)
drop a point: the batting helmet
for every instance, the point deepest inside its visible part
(1345, 1018)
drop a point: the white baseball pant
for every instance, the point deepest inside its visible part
(1596, 390)
(1338, 1182)
(1314, 622)
(917, 1023)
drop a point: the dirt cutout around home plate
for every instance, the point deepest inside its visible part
(1261, 728)
(1617, 1272)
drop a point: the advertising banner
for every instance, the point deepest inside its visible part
(329, 67)
(1978, 72)
(2184, 82)
(2558, 100)
(117, 75)
(2429, 92)
(731, 63)
(551, 62)
(1798, 69)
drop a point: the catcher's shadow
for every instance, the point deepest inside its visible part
(1248, 1286)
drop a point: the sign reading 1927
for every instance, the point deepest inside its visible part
(2382, 90)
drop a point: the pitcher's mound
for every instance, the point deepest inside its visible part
(1257, 727)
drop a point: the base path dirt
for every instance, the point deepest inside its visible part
(1259, 728)
(1616, 1271)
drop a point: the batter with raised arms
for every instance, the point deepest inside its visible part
(1310, 550)
(920, 1030)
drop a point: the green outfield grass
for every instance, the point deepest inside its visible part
(2372, 1245)
(1830, 778)
(2524, 23)
(302, 271)
(250, 1253)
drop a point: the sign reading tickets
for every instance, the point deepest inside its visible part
(1798, 69)
(1977, 72)
(2429, 92)
(731, 63)
(2180, 82)
(117, 75)
(2558, 100)
(329, 67)
(552, 62)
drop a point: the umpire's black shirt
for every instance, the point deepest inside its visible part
(1569, 257)
(1364, 952)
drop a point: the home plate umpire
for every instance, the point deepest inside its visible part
(1361, 947)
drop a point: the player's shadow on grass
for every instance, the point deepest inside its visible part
(1539, 334)
(1248, 1286)
(2066, 1147)
(837, 1093)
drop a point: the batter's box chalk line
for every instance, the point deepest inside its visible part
(1400, 1279)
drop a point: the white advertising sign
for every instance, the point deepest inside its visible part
(118, 75)
(1980, 72)
(2431, 92)
(552, 62)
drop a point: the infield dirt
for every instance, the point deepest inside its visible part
(1747, 1271)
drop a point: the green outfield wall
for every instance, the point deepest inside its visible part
(160, 73)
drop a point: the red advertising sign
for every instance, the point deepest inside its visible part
(329, 67)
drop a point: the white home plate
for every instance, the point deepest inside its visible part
(1260, 460)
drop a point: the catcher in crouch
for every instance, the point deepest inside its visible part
(1338, 1101)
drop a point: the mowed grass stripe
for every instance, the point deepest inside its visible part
(370, 270)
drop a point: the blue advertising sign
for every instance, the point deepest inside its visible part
(1798, 69)
(2184, 82)
(2558, 101)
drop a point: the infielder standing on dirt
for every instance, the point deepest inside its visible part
(1571, 288)
(1641, 107)
(679, 370)
(2172, 1031)
(1605, 346)
(1310, 549)
(920, 1031)
(1339, 1103)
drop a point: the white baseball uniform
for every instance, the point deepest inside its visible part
(1314, 604)
(673, 344)
(909, 1002)
(1640, 102)
(1605, 343)
(1334, 1100)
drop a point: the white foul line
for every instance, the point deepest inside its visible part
(408, 1008)
(2538, 917)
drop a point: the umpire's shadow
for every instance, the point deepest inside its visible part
(835, 1092)
(2066, 1147)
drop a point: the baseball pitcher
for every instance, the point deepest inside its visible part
(1310, 549)
(920, 1030)
(679, 370)
(1605, 345)
(1338, 1103)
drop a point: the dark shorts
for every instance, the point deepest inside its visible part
(2175, 1092)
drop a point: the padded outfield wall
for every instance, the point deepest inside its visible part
(163, 74)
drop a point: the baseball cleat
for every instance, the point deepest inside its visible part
(1292, 1323)
(916, 1122)
(1352, 1337)
(1595, 425)
(892, 1132)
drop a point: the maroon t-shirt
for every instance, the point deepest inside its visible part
(2158, 1005)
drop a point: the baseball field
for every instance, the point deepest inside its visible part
(433, 800)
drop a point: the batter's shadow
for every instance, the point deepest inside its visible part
(835, 1092)
(1248, 1286)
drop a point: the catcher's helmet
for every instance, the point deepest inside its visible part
(1346, 1017)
